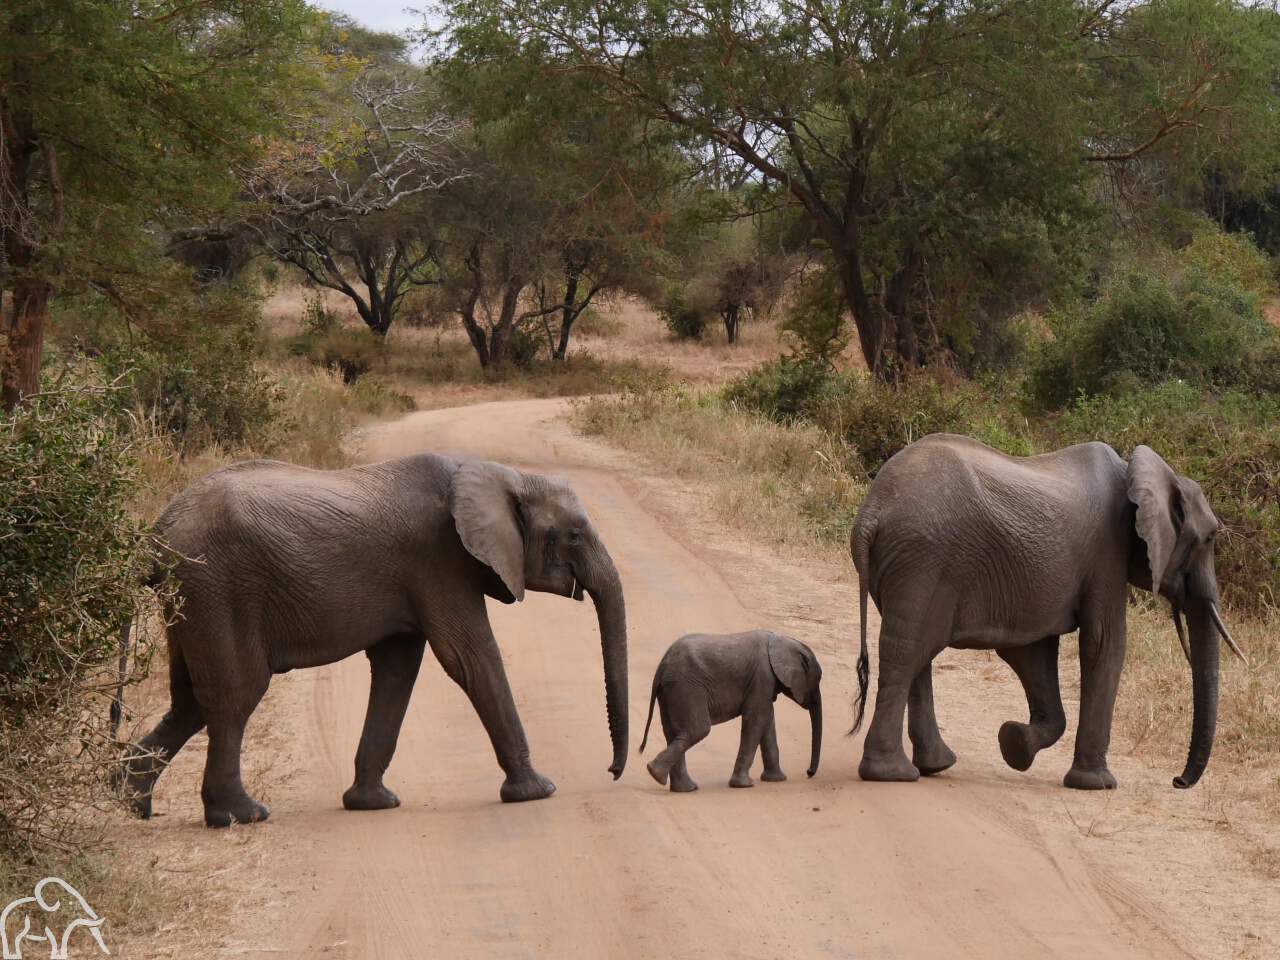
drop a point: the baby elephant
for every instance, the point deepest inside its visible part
(705, 679)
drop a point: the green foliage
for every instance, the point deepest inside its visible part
(1200, 326)
(684, 320)
(1229, 443)
(72, 559)
(203, 388)
(785, 389)
(351, 351)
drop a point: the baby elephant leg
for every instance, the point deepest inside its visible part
(769, 751)
(685, 721)
(754, 725)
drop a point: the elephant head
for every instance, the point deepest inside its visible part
(533, 533)
(800, 675)
(1177, 527)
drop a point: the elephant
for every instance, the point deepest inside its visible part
(281, 567)
(962, 546)
(704, 679)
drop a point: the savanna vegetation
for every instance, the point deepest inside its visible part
(1034, 223)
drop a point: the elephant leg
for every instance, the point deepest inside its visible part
(929, 753)
(227, 703)
(470, 656)
(1036, 665)
(1102, 646)
(393, 665)
(769, 752)
(685, 722)
(681, 782)
(146, 760)
(754, 724)
(908, 644)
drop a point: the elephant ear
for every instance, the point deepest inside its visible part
(790, 663)
(484, 499)
(1153, 487)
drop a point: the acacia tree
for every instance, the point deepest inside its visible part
(117, 117)
(336, 198)
(900, 127)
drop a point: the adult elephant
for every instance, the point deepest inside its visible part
(281, 567)
(962, 546)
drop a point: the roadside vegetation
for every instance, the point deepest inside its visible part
(232, 230)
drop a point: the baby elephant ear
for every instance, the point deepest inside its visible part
(1153, 486)
(789, 663)
(484, 499)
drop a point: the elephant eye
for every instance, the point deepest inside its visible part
(575, 537)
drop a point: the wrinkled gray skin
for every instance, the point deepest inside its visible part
(285, 567)
(705, 679)
(963, 546)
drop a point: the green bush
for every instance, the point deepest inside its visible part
(351, 351)
(785, 389)
(72, 559)
(1144, 329)
(685, 321)
(1230, 444)
(203, 388)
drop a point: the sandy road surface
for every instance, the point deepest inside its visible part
(981, 862)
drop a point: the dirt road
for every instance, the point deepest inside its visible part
(980, 862)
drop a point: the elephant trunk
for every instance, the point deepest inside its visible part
(1204, 687)
(815, 722)
(605, 587)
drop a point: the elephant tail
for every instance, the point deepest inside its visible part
(117, 702)
(864, 662)
(653, 697)
(863, 536)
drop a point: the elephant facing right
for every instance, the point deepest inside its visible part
(963, 546)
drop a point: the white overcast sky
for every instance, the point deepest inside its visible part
(386, 15)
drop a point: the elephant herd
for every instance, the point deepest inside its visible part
(279, 567)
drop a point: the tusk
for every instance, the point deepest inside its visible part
(1222, 629)
(1182, 633)
(577, 589)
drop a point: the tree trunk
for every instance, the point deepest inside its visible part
(568, 313)
(898, 306)
(731, 315)
(24, 341)
(866, 319)
(500, 336)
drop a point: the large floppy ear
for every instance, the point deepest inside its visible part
(787, 658)
(484, 500)
(1153, 486)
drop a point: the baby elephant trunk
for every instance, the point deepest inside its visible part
(815, 721)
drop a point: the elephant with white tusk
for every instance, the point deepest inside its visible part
(962, 546)
(280, 567)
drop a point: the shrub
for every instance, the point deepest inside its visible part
(785, 389)
(685, 321)
(350, 351)
(72, 560)
(1144, 329)
(203, 388)
(1230, 444)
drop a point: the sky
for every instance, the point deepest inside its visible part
(385, 15)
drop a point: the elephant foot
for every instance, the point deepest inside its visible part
(530, 786)
(1016, 745)
(1079, 778)
(741, 781)
(375, 797)
(685, 785)
(773, 776)
(888, 769)
(657, 772)
(243, 810)
(933, 760)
